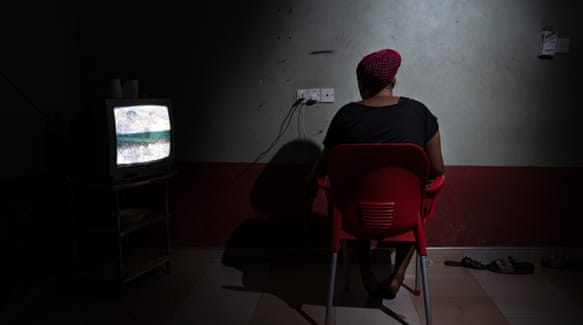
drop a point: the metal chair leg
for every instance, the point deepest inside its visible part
(417, 291)
(331, 287)
(345, 266)
(426, 299)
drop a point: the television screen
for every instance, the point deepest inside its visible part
(142, 134)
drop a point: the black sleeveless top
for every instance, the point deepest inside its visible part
(408, 121)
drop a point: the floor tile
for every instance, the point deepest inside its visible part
(289, 286)
(456, 297)
(529, 296)
(273, 310)
(220, 297)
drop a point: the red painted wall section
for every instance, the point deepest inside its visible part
(508, 206)
(244, 205)
(216, 204)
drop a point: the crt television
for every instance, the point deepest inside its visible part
(126, 139)
(140, 137)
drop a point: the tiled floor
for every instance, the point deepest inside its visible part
(288, 286)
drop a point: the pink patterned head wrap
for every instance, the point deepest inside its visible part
(379, 68)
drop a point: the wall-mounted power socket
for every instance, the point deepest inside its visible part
(309, 93)
(327, 95)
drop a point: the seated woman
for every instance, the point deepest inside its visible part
(381, 117)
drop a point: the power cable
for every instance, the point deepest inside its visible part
(285, 123)
(23, 95)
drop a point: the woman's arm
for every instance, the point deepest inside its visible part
(433, 150)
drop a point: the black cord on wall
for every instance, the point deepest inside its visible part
(285, 123)
(23, 95)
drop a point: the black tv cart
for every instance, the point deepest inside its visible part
(108, 216)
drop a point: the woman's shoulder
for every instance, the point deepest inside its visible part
(346, 111)
(410, 101)
(403, 101)
(349, 107)
(413, 104)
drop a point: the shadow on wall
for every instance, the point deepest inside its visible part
(299, 277)
(278, 197)
(279, 188)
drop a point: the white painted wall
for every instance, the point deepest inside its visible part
(233, 67)
(473, 62)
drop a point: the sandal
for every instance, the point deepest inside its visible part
(510, 266)
(467, 262)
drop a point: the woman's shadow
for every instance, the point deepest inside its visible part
(287, 236)
(283, 215)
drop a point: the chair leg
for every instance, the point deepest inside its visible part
(417, 291)
(426, 299)
(345, 266)
(331, 287)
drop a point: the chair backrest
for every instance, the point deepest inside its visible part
(377, 188)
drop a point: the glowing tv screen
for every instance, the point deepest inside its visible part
(142, 134)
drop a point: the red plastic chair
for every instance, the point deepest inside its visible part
(380, 192)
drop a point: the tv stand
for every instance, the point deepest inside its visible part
(120, 229)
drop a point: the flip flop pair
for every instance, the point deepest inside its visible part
(501, 265)
(510, 266)
(467, 262)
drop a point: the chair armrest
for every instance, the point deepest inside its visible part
(323, 183)
(431, 195)
(434, 185)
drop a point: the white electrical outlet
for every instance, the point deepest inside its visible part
(327, 95)
(309, 93)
